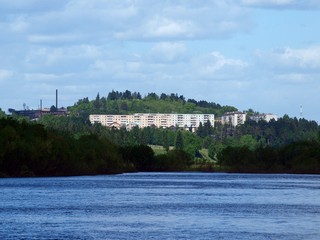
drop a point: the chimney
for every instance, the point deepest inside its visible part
(57, 99)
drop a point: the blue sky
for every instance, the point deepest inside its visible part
(259, 54)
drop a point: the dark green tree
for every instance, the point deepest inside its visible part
(104, 104)
(97, 103)
(165, 142)
(179, 141)
(141, 156)
(124, 107)
(178, 160)
(201, 130)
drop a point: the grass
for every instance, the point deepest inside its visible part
(158, 149)
(205, 156)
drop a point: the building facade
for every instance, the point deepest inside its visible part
(233, 118)
(264, 116)
(160, 120)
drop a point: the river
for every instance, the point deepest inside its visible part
(161, 206)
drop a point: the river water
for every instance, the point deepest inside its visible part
(161, 206)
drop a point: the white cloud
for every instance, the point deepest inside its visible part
(266, 2)
(22, 6)
(291, 60)
(5, 75)
(282, 4)
(166, 28)
(118, 70)
(198, 48)
(54, 38)
(62, 59)
(168, 51)
(211, 64)
(19, 25)
(98, 21)
(109, 66)
(44, 77)
(170, 66)
(296, 78)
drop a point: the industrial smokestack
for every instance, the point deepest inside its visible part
(57, 99)
(41, 104)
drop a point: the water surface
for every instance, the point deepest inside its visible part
(161, 206)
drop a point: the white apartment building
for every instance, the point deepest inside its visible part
(264, 116)
(233, 118)
(152, 119)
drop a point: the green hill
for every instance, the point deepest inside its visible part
(129, 103)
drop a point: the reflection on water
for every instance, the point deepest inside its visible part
(162, 206)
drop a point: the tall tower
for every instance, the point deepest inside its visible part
(300, 111)
(57, 99)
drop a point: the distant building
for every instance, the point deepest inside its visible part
(159, 120)
(264, 116)
(233, 118)
(36, 114)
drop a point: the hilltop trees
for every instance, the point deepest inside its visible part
(128, 102)
(97, 102)
(126, 95)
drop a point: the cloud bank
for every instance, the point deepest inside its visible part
(203, 49)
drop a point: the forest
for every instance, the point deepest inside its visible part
(29, 149)
(71, 145)
(128, 103)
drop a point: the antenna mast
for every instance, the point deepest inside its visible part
(57, 99)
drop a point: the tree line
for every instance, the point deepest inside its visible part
(31, 149)
(296, 157)
(252, 147)
(167, 138)
(28, 149)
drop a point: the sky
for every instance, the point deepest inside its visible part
(251, 54)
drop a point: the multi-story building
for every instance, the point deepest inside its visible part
(233, 118)
(264, 116)
(163, 120)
